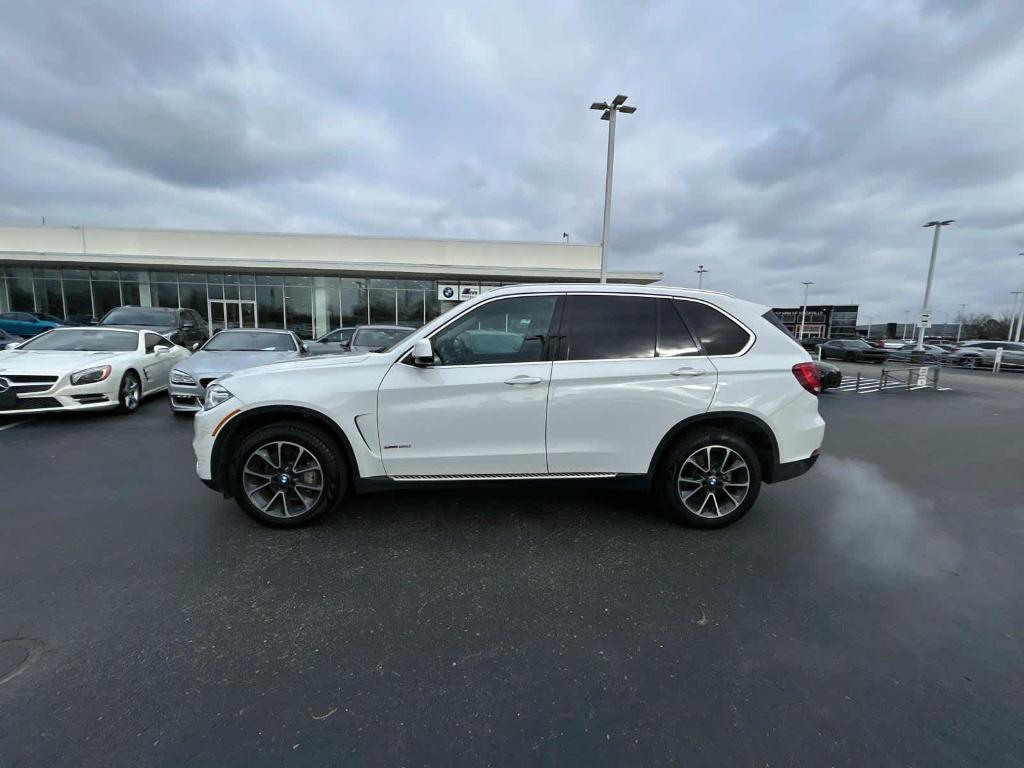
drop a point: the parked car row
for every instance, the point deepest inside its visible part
(115, 367)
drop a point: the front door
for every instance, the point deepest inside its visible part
(231, 313)
(481, 408)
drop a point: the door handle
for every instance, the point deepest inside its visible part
(685, 371)
(518, 380)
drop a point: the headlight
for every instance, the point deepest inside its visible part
(215, 395)
(180, 377)
(91, 375)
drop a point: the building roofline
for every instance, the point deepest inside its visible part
(323, 235)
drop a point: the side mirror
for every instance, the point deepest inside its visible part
(345, 344)
(304, 349)
(160, 349)
(13, 345)
(188, 325)
(195, 347)
(422, 353)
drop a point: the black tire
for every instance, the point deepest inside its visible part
(333, 475)
(669, 479)
(129, 393)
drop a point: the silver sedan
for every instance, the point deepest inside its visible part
(226, 352)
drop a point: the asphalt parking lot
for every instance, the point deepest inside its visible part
(868, 613)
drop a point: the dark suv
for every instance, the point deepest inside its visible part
(184, 327)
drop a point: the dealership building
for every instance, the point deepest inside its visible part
(310, 284)
(822, 320)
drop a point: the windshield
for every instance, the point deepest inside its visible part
(83, 340)
(250, 341)
(139, 316)
(379, 337)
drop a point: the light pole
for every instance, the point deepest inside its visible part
(960, 325)
(906, 320)
(938, 225)
(609, 112)
(803, 316)
(1020, 319)
(1013, 316)
(700, 275)
(869, 327)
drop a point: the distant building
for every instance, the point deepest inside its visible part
(822, 320)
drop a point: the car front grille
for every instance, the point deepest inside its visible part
(28, 404)
(28, 378)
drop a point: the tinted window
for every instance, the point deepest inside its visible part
(153, 341)
(379, 338)
(609, 327)
(510, 330)
(139, 316)
(84, 340)
(674, 337)
(772, 318)
(717, 333)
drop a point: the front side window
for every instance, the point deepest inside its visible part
(718, 334)
(153, 341)
(512, 330)
(598, 327)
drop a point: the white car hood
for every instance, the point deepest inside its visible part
(27, 361)
(309, 363)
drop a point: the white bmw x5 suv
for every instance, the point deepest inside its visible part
(696, 396)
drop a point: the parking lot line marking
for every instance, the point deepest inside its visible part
(12, 425)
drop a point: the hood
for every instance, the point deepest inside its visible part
(316, 362)
(28, 361)
(217, 364)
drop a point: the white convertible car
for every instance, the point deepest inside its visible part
(75, 369)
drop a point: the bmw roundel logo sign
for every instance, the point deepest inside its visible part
(448, 292)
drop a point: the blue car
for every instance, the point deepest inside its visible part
(28, 323)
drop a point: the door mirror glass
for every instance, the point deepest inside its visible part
(422, 353)
(161, 349)
(195, 347)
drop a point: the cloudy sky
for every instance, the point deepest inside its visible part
(774, 142)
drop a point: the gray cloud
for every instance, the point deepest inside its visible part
(773, 145)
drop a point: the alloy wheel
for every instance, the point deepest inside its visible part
(713, 481)
(283, 479)
(130, 393)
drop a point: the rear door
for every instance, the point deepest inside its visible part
(626, 371)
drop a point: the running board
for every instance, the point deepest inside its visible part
(526, 476)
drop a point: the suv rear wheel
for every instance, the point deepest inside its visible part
(286, 475)
(710, 478)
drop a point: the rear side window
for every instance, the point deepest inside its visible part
(772, 318)
(674, 339)
(609, 327)
(718, 334)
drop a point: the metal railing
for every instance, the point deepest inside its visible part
(905, 379)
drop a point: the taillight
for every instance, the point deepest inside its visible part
(808, 376)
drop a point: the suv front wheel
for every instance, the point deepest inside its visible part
(710, 478)
(286, 475)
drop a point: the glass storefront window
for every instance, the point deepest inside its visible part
(20, 291)
(298, 307)
(193, 296)
(382, 306)
(270, 306)
(130, 293)
(165, 295)
(410, 307)
(163, 277)
(354, 309)
(78, 300)
(106, 296)
(49, 298)
(103, 274)
(74, 274)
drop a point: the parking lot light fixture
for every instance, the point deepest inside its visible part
(700, 275)
(937, 225)
(608, 112)
(803, 315)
